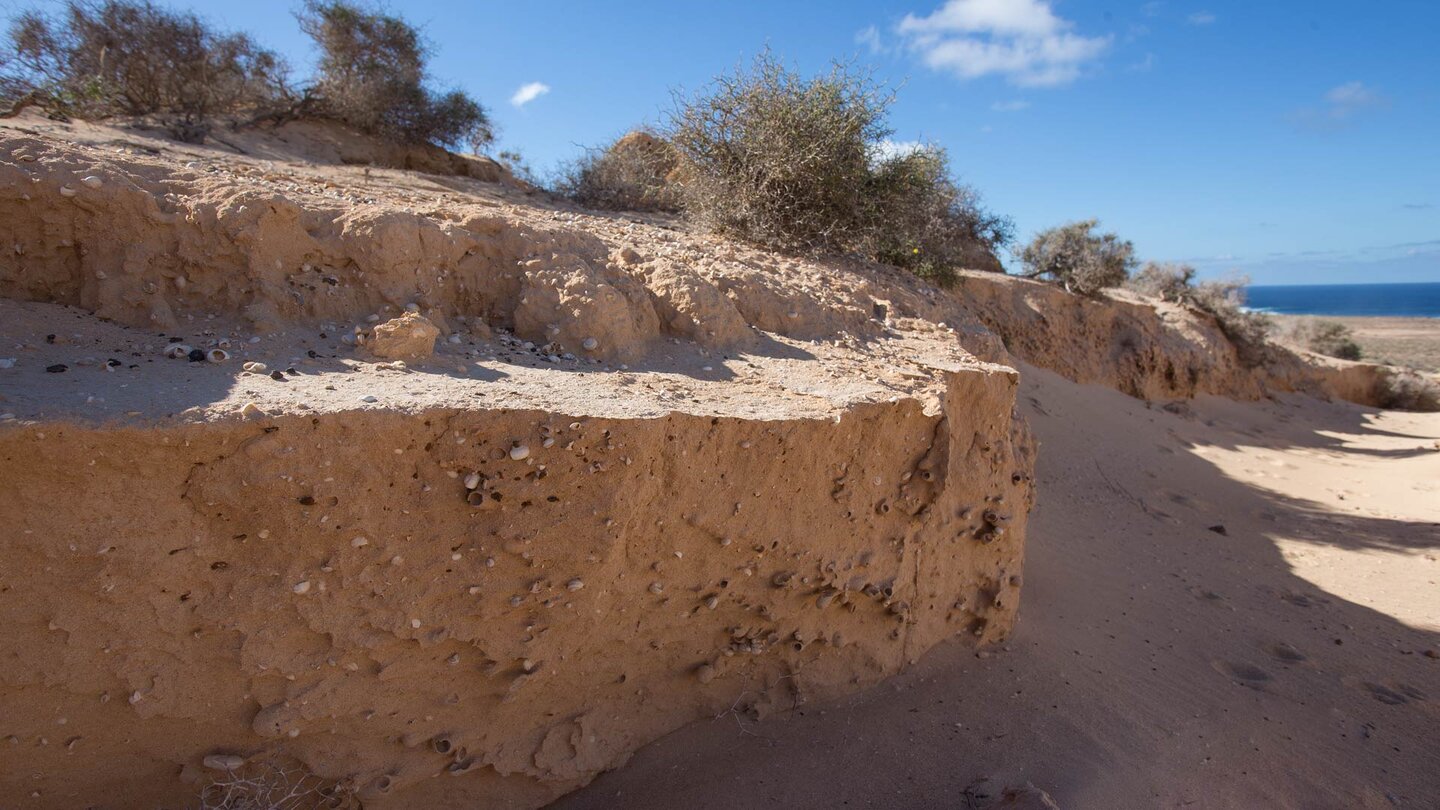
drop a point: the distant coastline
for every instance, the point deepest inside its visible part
(1412, 300)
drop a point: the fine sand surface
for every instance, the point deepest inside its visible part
(1287, 661)
(1411, 342)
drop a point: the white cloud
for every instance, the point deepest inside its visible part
(1010, 106)
(1152, 9)
(1351, 97)
(1200, 18)
(870, 38)
(528, 93)
(1342, 103)
(1022, 40)
(1144, 65)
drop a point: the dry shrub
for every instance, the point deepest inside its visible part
(130, 57)
(1082, 261)
(1168, 282)
(268, 786)
(1247, 330)
(637, 172)
(372, 76)
(924, 221)
(800, 163)
(1409, 390)
(1331, 338)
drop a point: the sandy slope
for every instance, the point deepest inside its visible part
(1157, 663)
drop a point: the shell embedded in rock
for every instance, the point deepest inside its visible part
(519, 452)
(176, 351)
(224, 762)
(302, 587)
(255, 368)
(589, 344)
(217, 355)
(574, 585)
(66, 191)
(92, 181)
(472, 480)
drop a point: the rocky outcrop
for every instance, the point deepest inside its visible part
(511, 600)
(639, 479)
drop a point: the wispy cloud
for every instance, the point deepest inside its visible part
(1417, 206)
(528, 93)
(1341, 105)
(1144, 65)
(1021, 40)
(870, 38)
(1010, 106)
(1201, 18)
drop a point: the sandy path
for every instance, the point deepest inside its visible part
(1157, 662)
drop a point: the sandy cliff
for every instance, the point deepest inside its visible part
(647, 476)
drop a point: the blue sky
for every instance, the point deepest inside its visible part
(1293, 141)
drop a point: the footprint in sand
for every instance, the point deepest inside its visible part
(1398, 696)
(1242, 673)
(1286, 653)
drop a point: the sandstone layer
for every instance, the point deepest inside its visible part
(647, 476)
(644, 478)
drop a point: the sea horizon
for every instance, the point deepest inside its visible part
(1390, 299)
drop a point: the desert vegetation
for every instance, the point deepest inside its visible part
(372, 75)
(636, 172)
(1078, 258)
(791, 162)
(132, 58)
(1330, 338)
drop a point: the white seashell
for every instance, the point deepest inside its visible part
(359, 541)
(224, 762)
(217, 355)
(574, 585)
(472, 480)
(177, 351)
(255, 368)
(302, 587)
(590, 344)
(519, 452)
(66, 191)
(93, 181)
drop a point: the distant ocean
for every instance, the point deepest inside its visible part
(1393, 300)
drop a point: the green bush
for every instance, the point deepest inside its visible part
(130, 57)
(1082, 261)
(372, 76)
(800, 163)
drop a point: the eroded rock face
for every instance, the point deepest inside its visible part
(515, 599)
(408, 337)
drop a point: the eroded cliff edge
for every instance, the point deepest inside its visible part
(645, 478)
(648, 476)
